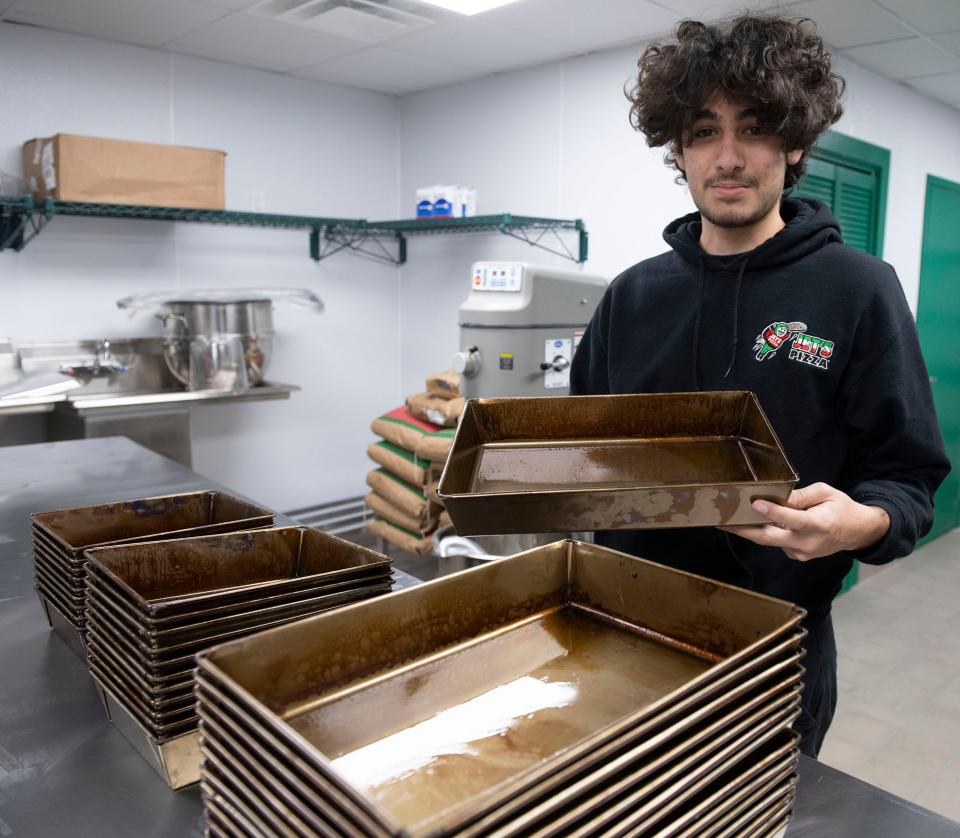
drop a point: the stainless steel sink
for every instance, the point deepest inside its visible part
(144, 401)
(145, 371)
(146, 380)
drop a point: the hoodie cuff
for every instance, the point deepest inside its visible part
(890, 545)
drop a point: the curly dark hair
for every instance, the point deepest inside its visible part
(776, 62)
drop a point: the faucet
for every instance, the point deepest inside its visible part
(104, 365)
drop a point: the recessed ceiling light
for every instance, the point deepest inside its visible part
(469, 7)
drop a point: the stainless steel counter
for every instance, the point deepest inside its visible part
(65, 771)
(30, 404)
(80, 401)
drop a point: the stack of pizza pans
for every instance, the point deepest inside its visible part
(151, 607)
(567, 690)
(61, 535)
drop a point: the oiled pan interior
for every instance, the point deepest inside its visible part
(85, 526)
(159, 570)
(611, 464)
(441, 732)
(322, 656)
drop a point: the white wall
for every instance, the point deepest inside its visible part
(555, 140)
(312, 149)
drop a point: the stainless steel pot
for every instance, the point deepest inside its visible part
(250, 320)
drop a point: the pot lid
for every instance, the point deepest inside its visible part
(296, 297)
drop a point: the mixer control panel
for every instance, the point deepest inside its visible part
(498, 277)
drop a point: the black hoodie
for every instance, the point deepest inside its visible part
(822, 334)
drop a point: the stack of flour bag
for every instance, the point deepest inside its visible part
(413, 444)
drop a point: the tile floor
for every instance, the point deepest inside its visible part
(898, 637)
(898, 712)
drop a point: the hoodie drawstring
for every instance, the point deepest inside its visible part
(736, 315)
(696, 332)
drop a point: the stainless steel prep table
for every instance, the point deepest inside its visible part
(64, 770)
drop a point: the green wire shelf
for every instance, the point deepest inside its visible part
(244, 219)
(21, 219)
(478, 223)
(530, 229)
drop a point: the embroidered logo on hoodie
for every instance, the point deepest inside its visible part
(805, 349)
(811, 350)
(774, 336)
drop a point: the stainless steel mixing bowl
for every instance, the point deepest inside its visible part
(251, 320)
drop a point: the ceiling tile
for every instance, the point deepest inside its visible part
(852, 22)
(211, 54)
(928, 16)
(145, 21)
(257, 41)
(472, 42)
(950, 40)
(904, 59)
(227, 5)
(946, 88)
(386, 70)
(585, 26)
(710, 9)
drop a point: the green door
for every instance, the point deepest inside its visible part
(851, 194)
(938, 320)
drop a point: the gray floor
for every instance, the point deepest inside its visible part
(898, 715)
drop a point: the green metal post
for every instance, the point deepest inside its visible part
(315, 244)
(11, 230)
(584, 238)
(401, 248)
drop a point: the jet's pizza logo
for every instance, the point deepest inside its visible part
(811, 350)
(774, 336)
(804, 349)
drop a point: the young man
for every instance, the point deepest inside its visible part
(759, 293)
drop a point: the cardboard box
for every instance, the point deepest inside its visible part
(69, 167)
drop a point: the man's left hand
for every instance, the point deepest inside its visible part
(816, 521)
